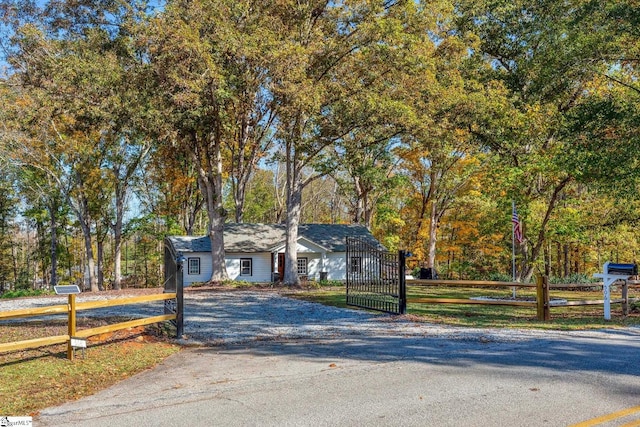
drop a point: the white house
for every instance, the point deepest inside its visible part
(255, 252)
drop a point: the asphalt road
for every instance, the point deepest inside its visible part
(384, 380)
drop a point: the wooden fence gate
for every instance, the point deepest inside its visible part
(375, 278)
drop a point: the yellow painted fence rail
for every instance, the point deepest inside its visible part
(542, 286)
(71, 309)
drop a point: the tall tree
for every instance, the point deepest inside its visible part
(79, 56)
(170, 189)
(546, 53)
(8, 203)
(209, 64)
(333, 59)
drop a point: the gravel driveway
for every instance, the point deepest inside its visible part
(238, 317)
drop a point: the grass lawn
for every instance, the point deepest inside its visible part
(32, 380)
(562, 318)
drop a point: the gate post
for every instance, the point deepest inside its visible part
(402, 257)
(180, 302)
(174, 283)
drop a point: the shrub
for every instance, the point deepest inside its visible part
(500, 277)
(331, 283)
(573, 278)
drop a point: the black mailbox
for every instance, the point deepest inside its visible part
(622, 269)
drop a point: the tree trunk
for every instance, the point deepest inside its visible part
(100, 259)
(279, 197)
(117, 243)
(528, 271)
(191, 207)
(291, 255)
(216, 230)
(335, 203)
(358, 209)
(368, 211)
(14, 255)
(210, 182)
(146, 265)
(90, 278)
(294, 209)
(433, 234)
(53, 229)
(239, 198)
(558, 259)
(121, 192)
(418, 248)
(547, 259)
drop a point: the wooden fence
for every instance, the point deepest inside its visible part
(542, 302)
(71, 309)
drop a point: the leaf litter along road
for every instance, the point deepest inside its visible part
(270, 360)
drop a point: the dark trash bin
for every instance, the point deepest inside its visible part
(323, 275)
(428, 273)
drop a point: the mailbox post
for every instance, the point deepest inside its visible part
(71, 291)
(611, 273)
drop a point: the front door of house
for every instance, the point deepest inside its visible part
(281, 266)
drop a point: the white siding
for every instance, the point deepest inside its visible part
(336, 267)
(261, 267)
(205, 268)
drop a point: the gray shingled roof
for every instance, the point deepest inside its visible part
(251, 238)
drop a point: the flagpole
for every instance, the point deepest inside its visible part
(513, 248)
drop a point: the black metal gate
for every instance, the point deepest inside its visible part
(375, 278)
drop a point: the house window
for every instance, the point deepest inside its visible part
(356, 264)
(193, 265)
(246, 266)
(302, 266)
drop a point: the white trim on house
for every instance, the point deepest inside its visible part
(304, 246)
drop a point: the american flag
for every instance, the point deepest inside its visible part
(517, 228)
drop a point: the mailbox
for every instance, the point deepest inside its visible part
(622, 269)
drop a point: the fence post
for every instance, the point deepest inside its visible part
(72, 324)
(542, 297)
(625, 298)
(539, 296)
(402, 258)
(545, 297)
